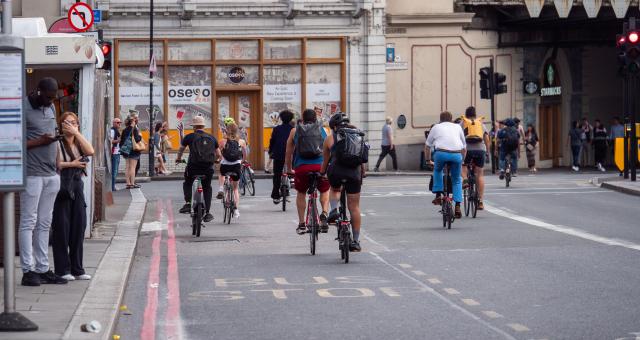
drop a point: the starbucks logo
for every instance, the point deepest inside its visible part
(551, 73)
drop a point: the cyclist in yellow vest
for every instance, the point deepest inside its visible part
(477, 145)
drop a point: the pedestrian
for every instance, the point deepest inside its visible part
(42, 185)
(130, 135)
(575, 139)
(586, 135)
(157, 150)
(600, 144)
(114, 139)
(69, 209)
(616, 131)
(531, 143)
(277, 150)
(387, 145)
(165, 145)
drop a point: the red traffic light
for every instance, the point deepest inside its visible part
(106, 48)
(633, 37)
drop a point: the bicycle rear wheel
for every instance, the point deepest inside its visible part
(313, 226)
(194, 221)
(445, 211)
(251, 183)
(450, 216)
(467, 200)
(199, 215)
(347, 244)
(474, 204)
(507, 179)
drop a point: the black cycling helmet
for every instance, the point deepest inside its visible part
(338, 119)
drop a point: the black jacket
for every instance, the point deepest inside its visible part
(278, 141)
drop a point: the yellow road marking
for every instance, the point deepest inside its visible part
(405, 266)
(277, 293)
(419, 272)
(491, 314)
(518, 327)
(319, 280)
(451, 291)
(434, 281)
(470, 302)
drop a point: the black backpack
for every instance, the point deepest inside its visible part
(511, 139)
(203, 149)
(350, 147)
(232, 151)
(309, 143)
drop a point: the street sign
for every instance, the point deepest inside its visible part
(97, 16)
(80, 16)
(12, 145)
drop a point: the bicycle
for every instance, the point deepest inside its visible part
(247, 179)
(344, 227)
(197, 205)
(312, 219)
(286, 183)
(507, 171)
(471, 198)
(447, 201)
(228, 201)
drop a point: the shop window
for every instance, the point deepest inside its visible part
(237, 75)
(324, 89)
(189, 50)
(189, 94)
(281, 91)
(237, 49)
(323, 48)
(133, 94)
(139, 51)
(282, 49)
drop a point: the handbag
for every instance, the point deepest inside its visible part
(530, 147)
(138, 146)
(126, 147)
(67, 177)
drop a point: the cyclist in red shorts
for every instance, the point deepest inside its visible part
(303, 156)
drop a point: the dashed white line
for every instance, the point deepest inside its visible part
(518, 327)
(434, 281)
(419, 272)
(491, 314)
(405, 266)
(470, 302)
(451, 291)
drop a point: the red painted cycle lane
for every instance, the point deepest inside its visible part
(173, 322)
(148, 331)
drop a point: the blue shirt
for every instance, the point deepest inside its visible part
(298, 161)
(617, 131)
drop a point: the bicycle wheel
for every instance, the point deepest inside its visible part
(347, 244)
(313, 226)
(242, 185)
(199, 215)
(444, 211)
(474, 207)
(450, 215)
(507, 178)
(251, 183)
(467, 199)
(194, 221)
(283, 197)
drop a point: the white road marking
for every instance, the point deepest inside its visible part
(434, 281)
(153, 226)
(470, 302)
(563, 229)
(491, 314)
(419, 272)
(445, 299)
(518, 327)
(451, 291)
(405, 266)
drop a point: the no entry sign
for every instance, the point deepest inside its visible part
(80, 17)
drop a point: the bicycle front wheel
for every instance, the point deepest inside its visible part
(250, 183)
(467, 200)
(242, 185)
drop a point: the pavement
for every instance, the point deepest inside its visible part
(618, 183)
(552, 256)
(60, 310)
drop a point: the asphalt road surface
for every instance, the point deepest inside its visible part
(551, 257)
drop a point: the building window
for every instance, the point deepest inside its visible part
(189, 50)
(139, 51)
(189, 94)
(133, 94)
(237, 75)
(237, 49)
(281, 91)
(324, 89)
(323, 48)
(282, 49)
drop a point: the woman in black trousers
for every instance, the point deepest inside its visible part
(69, 210)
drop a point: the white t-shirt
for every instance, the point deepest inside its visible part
(115, 148)
(447, 136)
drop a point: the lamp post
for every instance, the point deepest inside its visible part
(152, 112)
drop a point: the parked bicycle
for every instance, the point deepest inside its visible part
(312, 219)
(228, 201)
(471, 198)
(344, 227)
(247, 179)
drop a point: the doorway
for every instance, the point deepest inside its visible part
(243, 107)
(550, 133)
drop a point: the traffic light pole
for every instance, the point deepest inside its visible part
(493, 120)
(633, 150)
(627, 110)
(152, 114)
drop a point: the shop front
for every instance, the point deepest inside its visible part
(248, 79)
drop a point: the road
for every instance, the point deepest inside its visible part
(552, 257)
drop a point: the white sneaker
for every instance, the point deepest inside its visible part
(236, 213)
(83, 277)
(68, 277)
(575, 168)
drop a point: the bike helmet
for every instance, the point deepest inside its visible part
(338, 119)
(229, 121)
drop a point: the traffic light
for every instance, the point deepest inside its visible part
(632, 52)
(499, 83)
(485, 83)
(106, 49)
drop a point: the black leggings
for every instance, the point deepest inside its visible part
(189, 177)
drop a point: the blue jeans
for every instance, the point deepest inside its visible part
(575, 151)
(115, 163)
(503, 160)
(455, 163)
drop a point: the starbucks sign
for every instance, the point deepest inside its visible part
(551, 83)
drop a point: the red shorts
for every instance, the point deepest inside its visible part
(302, 178)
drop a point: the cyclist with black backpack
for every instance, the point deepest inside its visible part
(234, 150)
(344, 155)
(509, 143)
(304, 156)
(203, 152)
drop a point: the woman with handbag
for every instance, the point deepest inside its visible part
(530, 143)
(69, 210)
(131, 144)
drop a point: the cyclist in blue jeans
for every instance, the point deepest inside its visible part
(509, 142)
(448, 140)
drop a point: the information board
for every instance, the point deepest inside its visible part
(12, 143)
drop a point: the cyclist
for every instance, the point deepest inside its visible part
(277, 150)
(450, 144)
(478, 142)
(234, 150)
(203, 152)
(303, 156)
(509, 142)
(342, 174)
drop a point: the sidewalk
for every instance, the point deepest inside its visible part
(60, 310)
(619, 184)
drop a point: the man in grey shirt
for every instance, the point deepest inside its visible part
(387, 145)
(42, 185)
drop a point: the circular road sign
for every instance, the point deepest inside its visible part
(80, 17)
